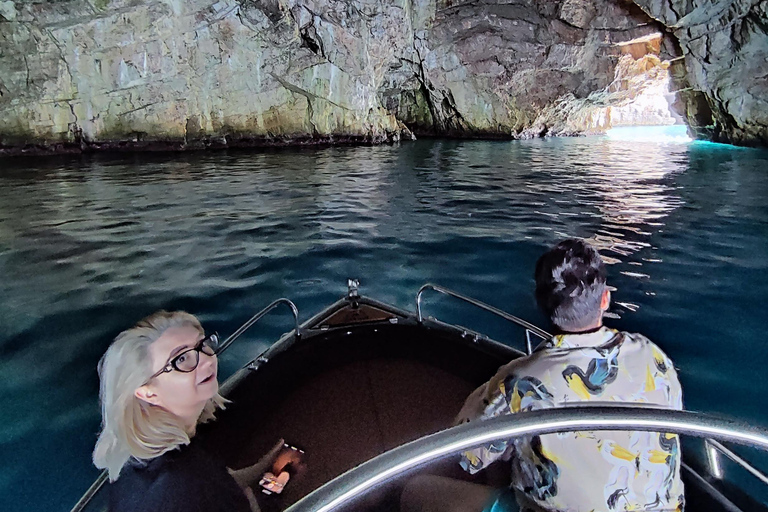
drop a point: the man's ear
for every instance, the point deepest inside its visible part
(146, 394)
(605, 300)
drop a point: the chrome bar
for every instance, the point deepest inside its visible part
(528, 342)
(541, 333)
(711, 489)
(91, 492)
(255, 318)
(738, 460)
(713, 458)
(378, 470)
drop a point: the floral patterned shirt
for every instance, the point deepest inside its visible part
(586, 471)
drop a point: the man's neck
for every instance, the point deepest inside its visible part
(588, 330)
(595, 326)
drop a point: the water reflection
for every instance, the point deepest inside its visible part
(636, 193)
(96, 231)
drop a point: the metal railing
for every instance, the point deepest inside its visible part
(714, 463)
(529, 327)
(378, 470)
(91, 492)
(255, 318)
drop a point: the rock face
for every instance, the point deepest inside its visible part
(80, 74)
(187, 72)
(724, 76)
(516, 69)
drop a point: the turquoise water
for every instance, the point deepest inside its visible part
(89, 245)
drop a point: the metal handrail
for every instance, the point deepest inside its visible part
(738, 460)
(529, 327)
(255, 318)
(378, 470)
(91, 492)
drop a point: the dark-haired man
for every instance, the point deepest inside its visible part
(584, 362)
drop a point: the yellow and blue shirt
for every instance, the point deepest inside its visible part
(586, 471)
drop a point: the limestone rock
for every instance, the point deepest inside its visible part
(518, 69)
(7, 10)
(83, 74)
(723, 77)
(194, 72)
(577, 13)
(638, 96)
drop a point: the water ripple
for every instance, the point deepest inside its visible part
(87, 246)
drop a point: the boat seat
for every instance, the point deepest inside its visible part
(346, 402)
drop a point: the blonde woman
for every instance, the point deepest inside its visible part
(158, 382)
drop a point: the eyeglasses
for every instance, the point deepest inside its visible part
(188, 360)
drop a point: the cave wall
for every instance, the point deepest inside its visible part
(723, 77)
(517, 69)
(191, 72)
(82, 74)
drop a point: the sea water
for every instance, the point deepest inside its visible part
(89, 245)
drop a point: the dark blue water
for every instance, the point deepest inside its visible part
(90, 245)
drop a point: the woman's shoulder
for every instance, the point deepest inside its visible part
(186, 478)
(173, 461)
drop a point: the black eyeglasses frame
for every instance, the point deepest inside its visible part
(201, 345)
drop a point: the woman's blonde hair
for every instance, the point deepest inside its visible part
(132, 427)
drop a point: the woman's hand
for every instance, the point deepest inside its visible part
(250, 475)
(267, 460)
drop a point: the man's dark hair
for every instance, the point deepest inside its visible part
(570, 280)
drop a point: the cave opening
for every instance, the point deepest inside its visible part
(643, 100)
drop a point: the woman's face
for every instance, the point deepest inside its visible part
(183, 394)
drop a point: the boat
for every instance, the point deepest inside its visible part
(368, 391)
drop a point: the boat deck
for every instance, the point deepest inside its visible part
(345, 399)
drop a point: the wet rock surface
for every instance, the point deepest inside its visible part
(189, 74)
(723, 78)
(79, 75)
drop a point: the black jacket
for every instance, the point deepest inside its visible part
(187, 479)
